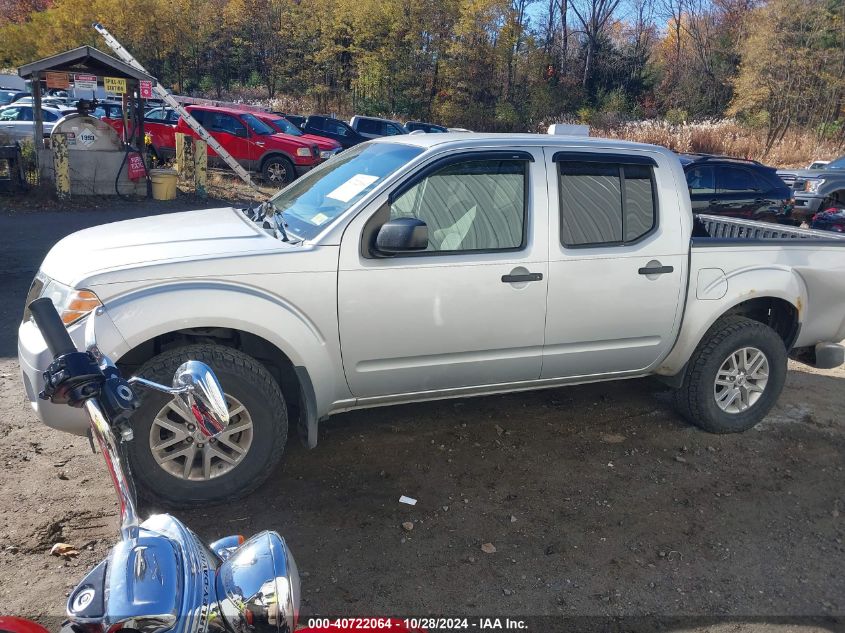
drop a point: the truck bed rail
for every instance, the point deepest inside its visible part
(724, 228)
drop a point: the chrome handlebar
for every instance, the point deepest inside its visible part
(194, 385)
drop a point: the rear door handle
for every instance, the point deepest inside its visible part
(656, 270)
(515, 279)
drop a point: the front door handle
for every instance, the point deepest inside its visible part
(515, 279)
(656, 270)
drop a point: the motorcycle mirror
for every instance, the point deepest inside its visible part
(199, 391)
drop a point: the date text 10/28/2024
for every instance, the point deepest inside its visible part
(417, 625)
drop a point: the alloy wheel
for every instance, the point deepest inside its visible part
(180, 448)
(741, 380)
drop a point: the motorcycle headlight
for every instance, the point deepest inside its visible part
(71, 304)
(812, 185)
(258, 586)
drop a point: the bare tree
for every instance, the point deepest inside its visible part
(594, 16)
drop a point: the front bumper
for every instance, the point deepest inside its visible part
(303, 169)
(34, 358)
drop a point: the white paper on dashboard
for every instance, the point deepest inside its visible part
(352, 187)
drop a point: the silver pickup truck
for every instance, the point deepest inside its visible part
(436, 266)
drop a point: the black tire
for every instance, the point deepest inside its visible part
(277, 171)
(696, 400)
(242, 378)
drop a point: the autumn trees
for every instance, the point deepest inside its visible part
(483, 64)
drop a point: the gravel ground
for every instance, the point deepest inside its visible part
(599, 500)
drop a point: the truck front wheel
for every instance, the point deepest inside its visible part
(174, 464)
(278, 171)
(734, 377)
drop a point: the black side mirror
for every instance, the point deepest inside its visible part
(402, 235)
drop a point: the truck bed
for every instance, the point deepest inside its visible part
(745, 259)
(722, 229)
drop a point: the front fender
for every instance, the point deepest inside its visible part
(741, 285)
(144, 313)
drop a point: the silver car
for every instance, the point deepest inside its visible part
(17, 122)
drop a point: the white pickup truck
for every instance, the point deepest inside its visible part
(435, 266)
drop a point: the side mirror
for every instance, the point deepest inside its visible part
(198, 390)
(402, 235)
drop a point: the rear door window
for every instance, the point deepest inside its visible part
(731, 179)
(219, 122)
(369, 126)
(605, 203)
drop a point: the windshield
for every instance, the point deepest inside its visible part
(320, 196)
(287, 127)
(258, 126)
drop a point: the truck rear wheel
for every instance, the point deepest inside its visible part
(734, 377)
(172, 463)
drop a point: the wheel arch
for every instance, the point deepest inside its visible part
(293, 380)
(272, 153)
(782, 309)
(277, 334)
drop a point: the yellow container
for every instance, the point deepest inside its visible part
(164, 183)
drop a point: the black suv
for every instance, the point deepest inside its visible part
(720, 185)
(335, 129)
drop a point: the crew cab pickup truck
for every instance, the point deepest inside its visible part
(434, 266)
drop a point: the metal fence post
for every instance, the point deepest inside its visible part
(61, 168)
(180, 154)
(200, 167)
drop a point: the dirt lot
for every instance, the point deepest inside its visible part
(599, 500)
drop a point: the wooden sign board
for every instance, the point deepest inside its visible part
(57, 80)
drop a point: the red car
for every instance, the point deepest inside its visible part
(159, 124)
(279, 158)
(328, 147)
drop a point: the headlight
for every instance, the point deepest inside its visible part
(327, 153)
(71, 304)
(303, 151)
(258, 586)
(812, 185)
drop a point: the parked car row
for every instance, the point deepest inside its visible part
(813, 197)
(17, 121)
(279, 147)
